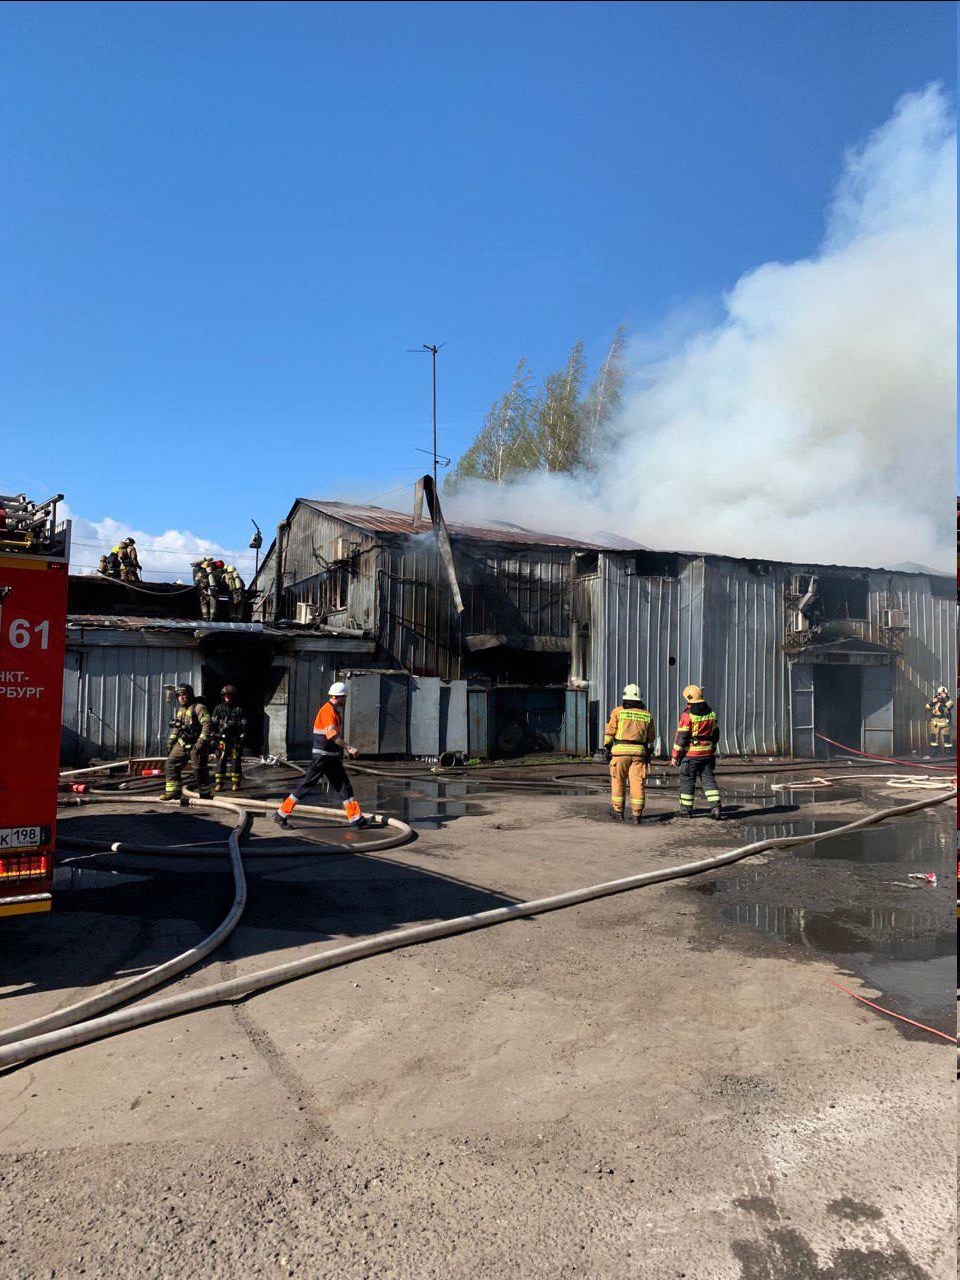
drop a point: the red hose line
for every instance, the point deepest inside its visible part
(890, 1014)
(910, 764)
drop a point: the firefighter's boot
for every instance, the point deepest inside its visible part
(717, 812)
(637, 819)
(616, 815)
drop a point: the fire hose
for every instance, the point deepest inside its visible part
(85, 1032)
(136, 986)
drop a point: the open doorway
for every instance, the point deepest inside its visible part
(243, 662)
(838, 703)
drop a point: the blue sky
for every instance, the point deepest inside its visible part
(223, 225)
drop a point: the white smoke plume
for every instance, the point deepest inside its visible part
(164, 557)
(817, 420)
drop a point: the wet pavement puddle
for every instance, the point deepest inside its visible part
(852, 900)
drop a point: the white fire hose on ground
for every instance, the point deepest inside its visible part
(38, 1046)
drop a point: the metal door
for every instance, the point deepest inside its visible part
(425, 702)
(393, 715)
(802, 711)
(877, 710)
(362, 719)
(575, 722)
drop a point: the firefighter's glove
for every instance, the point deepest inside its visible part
(608, 754)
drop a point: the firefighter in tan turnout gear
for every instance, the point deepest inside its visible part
(190, 732)
(939, 709)
(628, 741)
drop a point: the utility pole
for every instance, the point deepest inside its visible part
(433, 349)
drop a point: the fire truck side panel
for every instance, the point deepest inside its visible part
(33, 615)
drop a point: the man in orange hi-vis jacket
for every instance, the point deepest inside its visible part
(327, 762)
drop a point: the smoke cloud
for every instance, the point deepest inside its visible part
(817, 420)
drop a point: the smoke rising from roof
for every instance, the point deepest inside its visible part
(817, 420)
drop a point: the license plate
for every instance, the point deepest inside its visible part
(19, 837)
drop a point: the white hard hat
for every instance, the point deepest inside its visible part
(337, 690)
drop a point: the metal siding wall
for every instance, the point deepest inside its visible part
(311, 675)
(720, 623)
(929, 658)
(117, 708)
(723, 623)
(746, 675)
(642, 629)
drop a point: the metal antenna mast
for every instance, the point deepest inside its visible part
(433, 349)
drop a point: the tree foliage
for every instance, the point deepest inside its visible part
(558, 426)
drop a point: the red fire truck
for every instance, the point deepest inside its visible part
(34, 558)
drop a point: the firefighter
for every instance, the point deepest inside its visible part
(229, 724)
(694, 750)
(190, 733)
(205, 580)
(327, 762)
(129, 562)
(109, 564)
(628, 741)
(941, 733)
(234, 584)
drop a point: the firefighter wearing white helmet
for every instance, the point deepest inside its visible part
(694, 750)
(941, 732)
(628, 740)
(327, 761)
(234, 584)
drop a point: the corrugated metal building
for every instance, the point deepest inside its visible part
(784, 651)
(496, 675)
(120, 672)
(551, 630)
(381, 573)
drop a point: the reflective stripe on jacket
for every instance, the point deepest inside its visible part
(327, 726)
(630, 732)
(192, 725)
(697, 733)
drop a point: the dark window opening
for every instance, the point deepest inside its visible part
(587, 562)
(332, 593)
(657, 564)
(843, 598)
(943, 588)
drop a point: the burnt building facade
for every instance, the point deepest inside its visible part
(789, 655)
(496, 672)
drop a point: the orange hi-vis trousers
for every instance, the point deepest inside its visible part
(623, 769)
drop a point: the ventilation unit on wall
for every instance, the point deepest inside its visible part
(894, 620)
(306, 612)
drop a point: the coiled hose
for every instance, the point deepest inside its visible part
(28, 1050)
(136, 986)
(155, 977)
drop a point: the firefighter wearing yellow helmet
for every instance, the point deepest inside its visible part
(628, 741)
(694, 750)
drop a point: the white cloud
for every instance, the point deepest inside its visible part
(164, 557)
